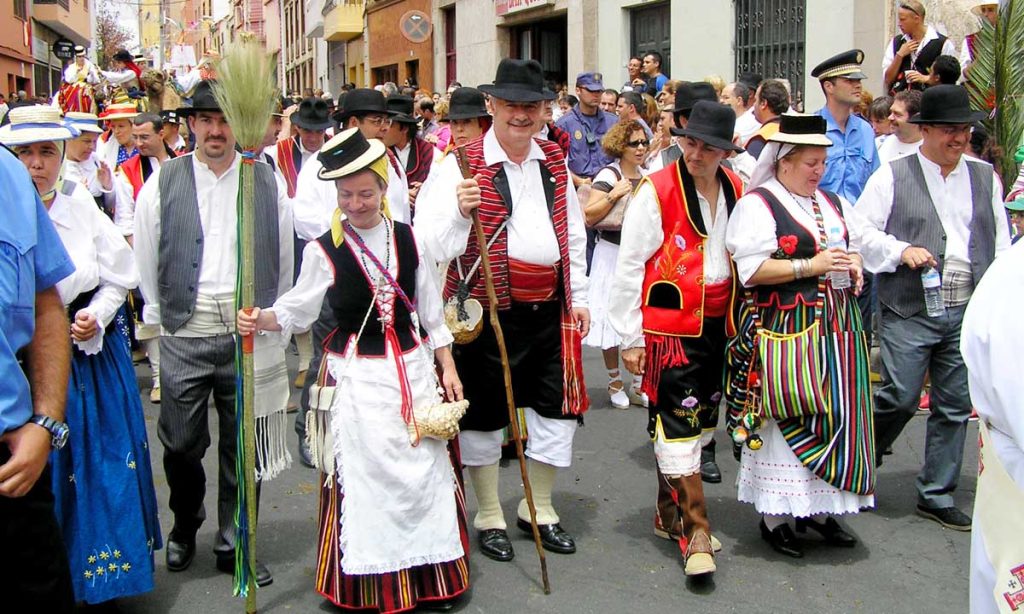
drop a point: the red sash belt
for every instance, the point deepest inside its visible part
(716, 299)
(532, 283)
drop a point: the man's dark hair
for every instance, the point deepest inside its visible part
(611, 91)
(947, 69)
(750, 79)
(573, 101)
(742, 91)
(911, 99)
(657, 57)
(774, 94)
(148, 118)
(880, 107)
(635, 100)
(426, 104)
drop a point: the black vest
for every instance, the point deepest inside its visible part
(788, 295)
(350, 296)
(925, 58)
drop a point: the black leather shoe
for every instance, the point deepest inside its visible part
(305, 456)
(226, 564)
(709, 471)
(552, 536)
(830, 530)
(782, 540)
(495, 544)
(179, 553)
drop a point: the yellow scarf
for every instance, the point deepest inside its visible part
(379, 168)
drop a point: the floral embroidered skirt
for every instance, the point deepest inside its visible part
(102, 478)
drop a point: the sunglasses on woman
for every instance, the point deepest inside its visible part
(638, 144)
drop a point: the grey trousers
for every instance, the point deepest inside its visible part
(191, 370)
(910, 348)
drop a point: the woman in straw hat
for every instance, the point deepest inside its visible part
(798, 257)
(102, 479)
(392, 518)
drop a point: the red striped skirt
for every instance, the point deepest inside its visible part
(397, 591)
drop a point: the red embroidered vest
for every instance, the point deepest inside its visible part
(132, 169)
(672, 301)
(286, 164)
(494, 210)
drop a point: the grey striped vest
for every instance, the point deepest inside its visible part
(914, 220)
(180, 252)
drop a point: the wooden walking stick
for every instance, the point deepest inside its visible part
(492, 307)
(245, 92)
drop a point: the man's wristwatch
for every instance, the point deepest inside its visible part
(58, 429)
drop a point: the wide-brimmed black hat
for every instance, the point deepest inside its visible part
(401, 109)
(347, 153)
(845, 64)
(122, 55)
(946, 104)
(518, 81)
(800, 129)
(712, 123)
(312, 114)
(466, 103)
(202, 100)
(360, 101)
(688, 94)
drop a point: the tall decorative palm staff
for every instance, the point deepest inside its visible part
(245, 91)
(492, 300)
(995, 81)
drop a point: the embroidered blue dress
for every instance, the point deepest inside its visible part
(102, 479)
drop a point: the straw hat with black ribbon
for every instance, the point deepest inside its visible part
(795, 130)
(348, 153)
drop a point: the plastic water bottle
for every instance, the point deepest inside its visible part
(932, 283)
(839, 279)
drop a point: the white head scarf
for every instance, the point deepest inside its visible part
(767, 163)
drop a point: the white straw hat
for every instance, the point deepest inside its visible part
(35, 124)
(84, 122)
(976, 9)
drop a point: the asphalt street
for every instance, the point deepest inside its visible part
(902, 564)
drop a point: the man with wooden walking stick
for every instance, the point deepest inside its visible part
(520, 189)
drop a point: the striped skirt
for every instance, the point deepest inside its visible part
(398, 591)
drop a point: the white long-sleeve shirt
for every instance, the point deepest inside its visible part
(102, 259)
(531, 235)
(297, 309)
(953, 202)
(315, 199)
(87, 73)
(642, 235)
(218, 269)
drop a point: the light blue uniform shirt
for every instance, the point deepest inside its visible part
(32, 259)
(852, 157)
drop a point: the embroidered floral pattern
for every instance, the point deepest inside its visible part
(107, 565)
(670, 262)
(788, 244)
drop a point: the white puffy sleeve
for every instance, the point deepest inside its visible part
(751, 236)
(641, 237)
(429, 305)
(297, 309)
(117, 272)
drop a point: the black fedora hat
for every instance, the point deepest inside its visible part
(347, 153)
(361, 101)
(800, 129)
(713, 123)
(401, 109)
(946, 104)
(122, 55)
(466, 103)
(312, 114)
(518, 81)
(202, 100)
(689, 93)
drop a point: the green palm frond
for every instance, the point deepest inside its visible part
(245, 90)
(995, 81)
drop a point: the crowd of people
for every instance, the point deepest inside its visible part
(726, 253)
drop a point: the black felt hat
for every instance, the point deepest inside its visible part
(348, 153)
(845, 64)
(202, 100)
(688, 94)
(466, 103)
(312, 114)
(361, 101)
(712, 123)
(946, 104)
(401, 109)
(122, 55)
(518, 81)
(800, 129)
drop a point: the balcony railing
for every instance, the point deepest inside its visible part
(64, 4)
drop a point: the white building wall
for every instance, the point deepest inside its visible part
(702, 39)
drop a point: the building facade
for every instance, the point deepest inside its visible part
(53, 20)
(401, 47)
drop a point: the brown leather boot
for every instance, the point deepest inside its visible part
(699, 554)
(667, 524)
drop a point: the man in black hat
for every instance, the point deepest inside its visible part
(314, 204)
(521, 190)
(680, 351)
(686, 96)
(171, 131)
(185, 246)
(416, 155)
(125, 72)
(933, 209)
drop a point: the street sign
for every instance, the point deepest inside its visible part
(415, 26)
(64, 49)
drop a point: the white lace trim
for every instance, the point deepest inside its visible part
(389, 567)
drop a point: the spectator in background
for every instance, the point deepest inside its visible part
(428, 125)
(667, 95)
(631, 107)
(878, 114)
(740, 97)
(586, 125)
(771, 100)
(912, 52)
(635, 77)
(906, 137)
(987, 11)
(716, 82)
(652, 70)
(609, 101)
(945, 71)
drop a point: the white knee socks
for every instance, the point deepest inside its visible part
(485, 487)
(542, 481)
